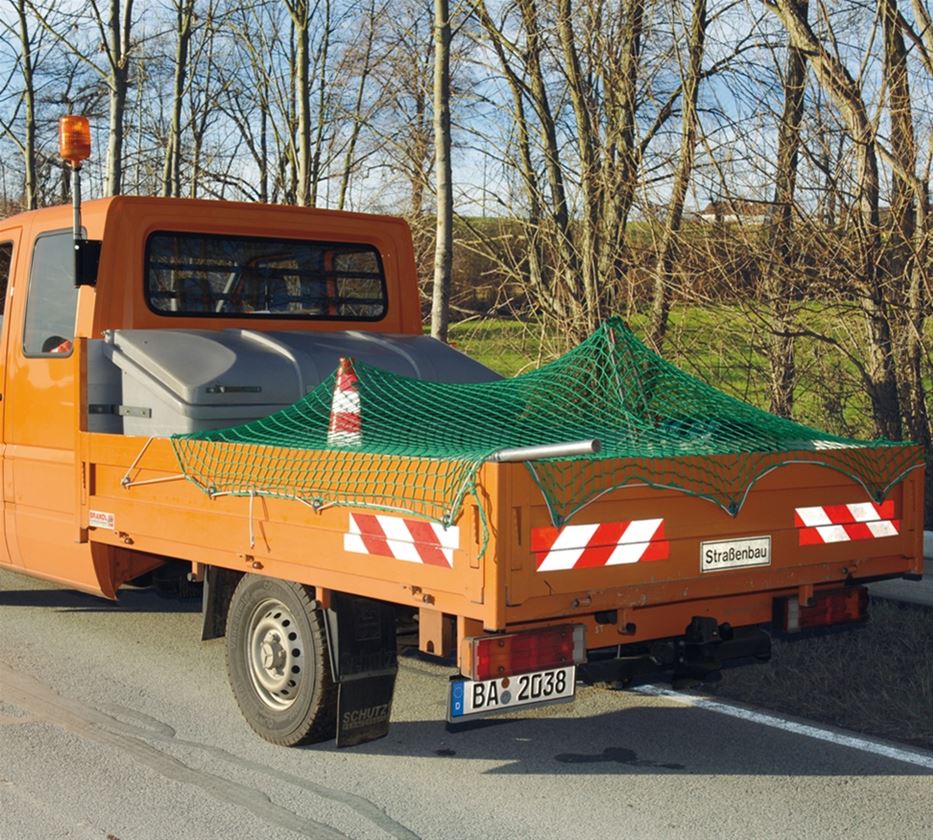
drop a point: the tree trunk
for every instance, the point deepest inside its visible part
(263, 150)
(538, 281)
(660, 307)
(903, 147)
(201, 111)
(301, 24)
(171, 170)
(293, 179)
(118, 49)
(315, 171)
(443, 254)
(779, 283)
(30, 181)
(568, 286)
(357, 124)
(622, 156)
(114, 185)
(905, 249)
(580, 98)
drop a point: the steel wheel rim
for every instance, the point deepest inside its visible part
(275, 654)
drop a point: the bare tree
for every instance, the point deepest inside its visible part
(664, 267)
(357, 115)
(565, 289)
(906, 251)
(443, 255)
(251, 93)
(171, 173)
(114, 32)
(535, 270)
(300, 12)
(405, 79)
(322, 67)
(203, 112)
(925, 24)
(25, 100)
(879, 374)
(780, 285)
(31, 185)
(581, 98)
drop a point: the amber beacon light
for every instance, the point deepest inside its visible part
(74, 139)
(74, 146)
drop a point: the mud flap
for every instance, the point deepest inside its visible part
(364, 662)
(215, 604)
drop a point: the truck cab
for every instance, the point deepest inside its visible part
(172, 273)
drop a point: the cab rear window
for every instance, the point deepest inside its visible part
(247, 276)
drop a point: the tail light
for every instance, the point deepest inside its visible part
(839, 606)
(518, 653)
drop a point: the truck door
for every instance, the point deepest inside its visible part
(40, 422)
(9, 250)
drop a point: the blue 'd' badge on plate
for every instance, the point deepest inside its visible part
(456, 698)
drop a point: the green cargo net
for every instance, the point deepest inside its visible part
(416, 446)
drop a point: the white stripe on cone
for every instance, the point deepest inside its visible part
(345, 427)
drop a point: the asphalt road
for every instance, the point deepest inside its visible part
(116, 722)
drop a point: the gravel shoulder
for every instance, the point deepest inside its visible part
(876, 679)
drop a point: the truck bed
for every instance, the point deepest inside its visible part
(628, 566)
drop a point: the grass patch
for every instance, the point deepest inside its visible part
(508, 347)
(877, 679)
(723, 345)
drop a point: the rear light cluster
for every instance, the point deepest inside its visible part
(839, 606)
(532, 650)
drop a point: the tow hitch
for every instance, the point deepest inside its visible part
(689, 659)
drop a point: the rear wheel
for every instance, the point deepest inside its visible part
(278, 663)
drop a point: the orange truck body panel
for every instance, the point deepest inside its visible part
(500, 588)
(55, 474)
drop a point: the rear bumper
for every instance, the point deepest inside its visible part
(706, 647)
(627, 615)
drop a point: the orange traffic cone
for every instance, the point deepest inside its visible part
(345, 427)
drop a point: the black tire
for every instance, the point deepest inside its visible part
(278, 664)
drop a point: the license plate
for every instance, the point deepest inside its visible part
(483, 697)
(735, 554)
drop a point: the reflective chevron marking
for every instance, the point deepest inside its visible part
(842, 523)
(412, 540)
(599, 544)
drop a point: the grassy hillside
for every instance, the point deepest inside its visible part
(719, 344)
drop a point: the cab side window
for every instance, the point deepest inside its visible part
(52, 301)
(6, 261)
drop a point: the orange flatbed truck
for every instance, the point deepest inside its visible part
(308, 599)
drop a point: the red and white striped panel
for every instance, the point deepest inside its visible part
(599, 544)
(413, 540)
(842, 523)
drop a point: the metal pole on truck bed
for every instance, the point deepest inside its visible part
(546, 450)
